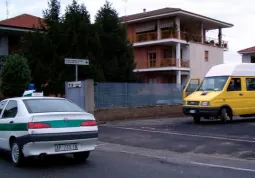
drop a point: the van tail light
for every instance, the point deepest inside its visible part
(89, 123)
(38, 125)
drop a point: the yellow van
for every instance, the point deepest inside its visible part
(227, 90)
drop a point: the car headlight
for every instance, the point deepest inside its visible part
(205, 103)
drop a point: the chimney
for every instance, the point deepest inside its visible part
(144, 10)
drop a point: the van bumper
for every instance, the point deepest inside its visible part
(202, 112)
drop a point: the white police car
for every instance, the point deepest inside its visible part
(35, 126)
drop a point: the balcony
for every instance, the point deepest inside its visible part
(168, 34)
(171, 62)
(168, 62)
(215, 42)
(187, 37)
(151, 36)
(185, 64)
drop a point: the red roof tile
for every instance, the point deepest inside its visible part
(247, 50)
(23, 21)
(149, 13)
(164, 11)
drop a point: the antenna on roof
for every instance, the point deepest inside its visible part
(7, 9)
(125, 1)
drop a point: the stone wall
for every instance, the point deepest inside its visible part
(138, 112)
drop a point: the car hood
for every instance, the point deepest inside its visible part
(202, 95)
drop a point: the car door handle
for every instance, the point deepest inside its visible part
(11, 122)
(240, 94)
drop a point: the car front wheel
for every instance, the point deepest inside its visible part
(81, 156)
(17, 156)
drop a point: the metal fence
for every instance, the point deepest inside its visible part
(109, 95)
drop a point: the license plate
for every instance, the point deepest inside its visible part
(66, 147)
(192, 111)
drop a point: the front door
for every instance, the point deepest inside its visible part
(191, 86)
(7, 123)
(2, 106)
(235, 96)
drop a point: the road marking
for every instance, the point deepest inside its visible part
(225, 167)
(183, 134)
(148, 128)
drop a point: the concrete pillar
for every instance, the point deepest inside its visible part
(177, 22)
(4, 46)
(89, 96)
(178, 54)
(202, 33)
(178, 77)
(158, 29)
(220, 37)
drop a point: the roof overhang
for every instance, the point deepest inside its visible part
(247, 52)
(162, 69)
(17, 29)
(184, 14)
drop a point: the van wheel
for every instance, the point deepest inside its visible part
(225, 115)
(17, 156)
(196, 119)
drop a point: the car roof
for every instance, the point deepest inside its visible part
(33, 97)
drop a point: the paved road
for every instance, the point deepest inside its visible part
(151, 148)
(109, 162)
(236, 139)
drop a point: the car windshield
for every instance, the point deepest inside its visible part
(213, 83)
(50, 105)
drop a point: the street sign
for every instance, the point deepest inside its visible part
(76, 84)
(76, 61)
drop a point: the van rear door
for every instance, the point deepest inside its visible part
(191, 86)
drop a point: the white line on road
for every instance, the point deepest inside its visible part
(225, 167)
(183, 134)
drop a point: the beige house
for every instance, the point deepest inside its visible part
(171, 45)
(248, 55)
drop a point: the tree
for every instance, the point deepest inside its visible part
(15, 76)
(117, 59)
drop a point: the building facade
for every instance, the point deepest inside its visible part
(170, 45)
(12, 29)
(248, 55)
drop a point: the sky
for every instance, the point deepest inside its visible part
(239, 13)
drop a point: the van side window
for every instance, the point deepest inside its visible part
(250, 84)
(10, 110)
(2, 105)
(235, 84)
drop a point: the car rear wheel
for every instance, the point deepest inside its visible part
(81, 156)
(17, 156)
(196, 119)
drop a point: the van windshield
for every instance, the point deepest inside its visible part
(213, 83)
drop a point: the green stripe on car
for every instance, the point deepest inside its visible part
(53, 124)
(63, 123)
(13, 127)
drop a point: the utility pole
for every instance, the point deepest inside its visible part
(7, 8)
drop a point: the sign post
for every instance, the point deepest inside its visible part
(76, 62)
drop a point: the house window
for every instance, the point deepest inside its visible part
(206, 56)
(152, 59)
(252, 59)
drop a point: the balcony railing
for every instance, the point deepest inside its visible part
(165, 34)
(168, 62)
(168, 34)
(146, 37)
(185, 63)
(215, 42)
